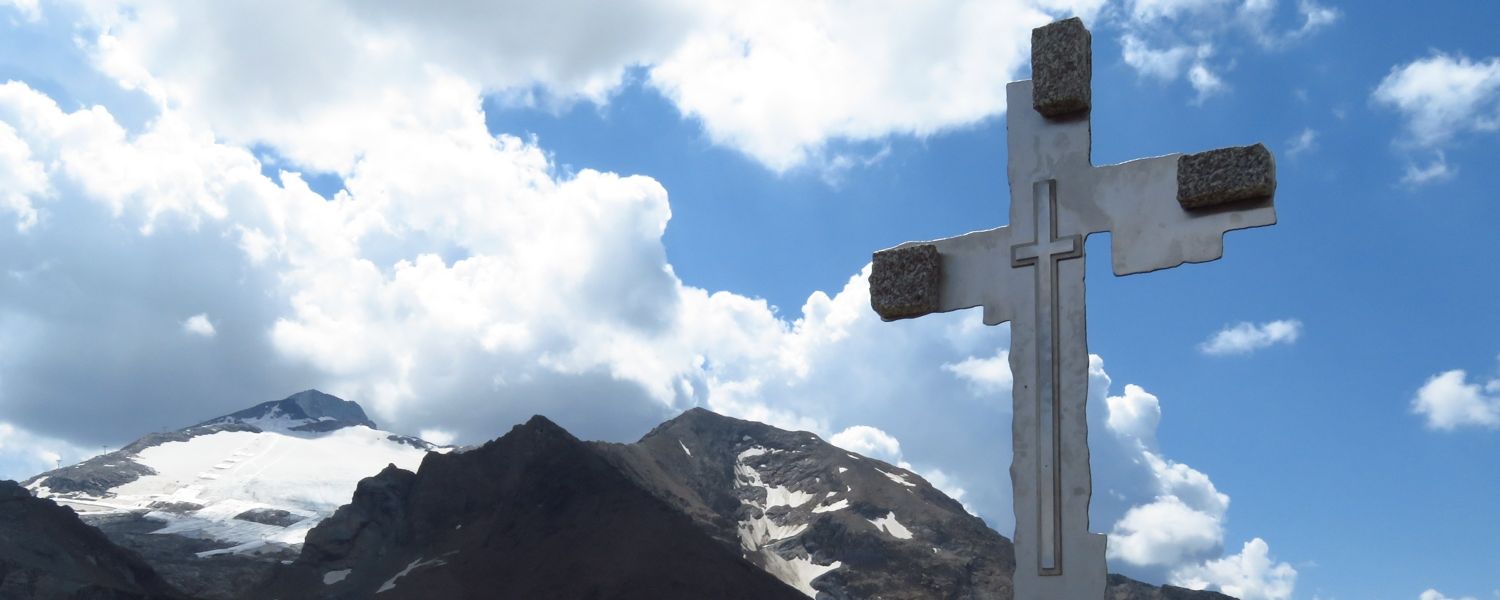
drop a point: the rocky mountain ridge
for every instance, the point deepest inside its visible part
(701, 500)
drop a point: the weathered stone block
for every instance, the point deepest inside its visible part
(904, 282)
(1224, 176)
(1062, 68)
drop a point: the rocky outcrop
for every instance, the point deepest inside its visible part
(325, 412)
(533, 514)
(871, 528)
(47, 552)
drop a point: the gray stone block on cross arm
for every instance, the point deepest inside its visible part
(1062, 68)
(904, 281)
(1225, 176)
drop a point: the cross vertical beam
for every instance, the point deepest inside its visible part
(1043, 254)
(1161, 212)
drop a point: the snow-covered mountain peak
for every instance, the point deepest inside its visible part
(248, 485)
(308, 410)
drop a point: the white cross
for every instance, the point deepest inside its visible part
(1161, 212)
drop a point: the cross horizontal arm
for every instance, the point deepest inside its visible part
(919, 278)
(1141, 203)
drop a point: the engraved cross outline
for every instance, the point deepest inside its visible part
(1044, 254)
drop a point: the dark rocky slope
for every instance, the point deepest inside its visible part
(781, 496)
(47, 552)
(533, 514)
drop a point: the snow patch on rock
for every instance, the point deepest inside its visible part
(840, 505)
(890, 525)
(901, 479)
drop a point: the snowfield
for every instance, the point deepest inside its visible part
(203, 484)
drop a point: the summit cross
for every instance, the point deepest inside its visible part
(1161, 212)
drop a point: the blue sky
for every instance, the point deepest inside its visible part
(463, 216)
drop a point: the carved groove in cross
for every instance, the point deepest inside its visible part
(1043, 253)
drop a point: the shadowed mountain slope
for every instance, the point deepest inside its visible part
(533, 514)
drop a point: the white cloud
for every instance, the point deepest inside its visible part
(988, 377)
(1449, 401)
(1165, 532)
(1442, 96)
(1167, 40)
(1174, 62)
(462, 281)
(1244, 337)
(31, 10)
(21, 179)
(1302, 142)
(1435, 171)
(1258, 14)
(1135, 414)
(1152, 10)
(776, 80)
(23, 453)
(1168, 518)
(437, 436)
(199, 325)
(1250, 575)
(1164, 64)
(1205, 82)
(868, 441)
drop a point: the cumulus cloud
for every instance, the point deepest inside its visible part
(1245, 337)
(1250, 575)
(869, 441)
(988, 377)
(1169, 64)
(23, 453)
(199, 325)
(461, 281)
(775, 80)
(1168, 40)
(1442, 96)
(1449, 401)
(1168, 518)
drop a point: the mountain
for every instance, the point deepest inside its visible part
(833, 524)
(533, 514)
(829, 522)
(47, 552)
(214, 505)
(304, 497)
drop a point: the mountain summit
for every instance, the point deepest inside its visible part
(214, 505)
(307, 410)
(533, 514)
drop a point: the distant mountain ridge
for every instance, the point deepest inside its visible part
(212, 506)
(533, 514)
(303, 498)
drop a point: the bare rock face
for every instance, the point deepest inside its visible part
(850, 526)
(533, 514)
(47, 552)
